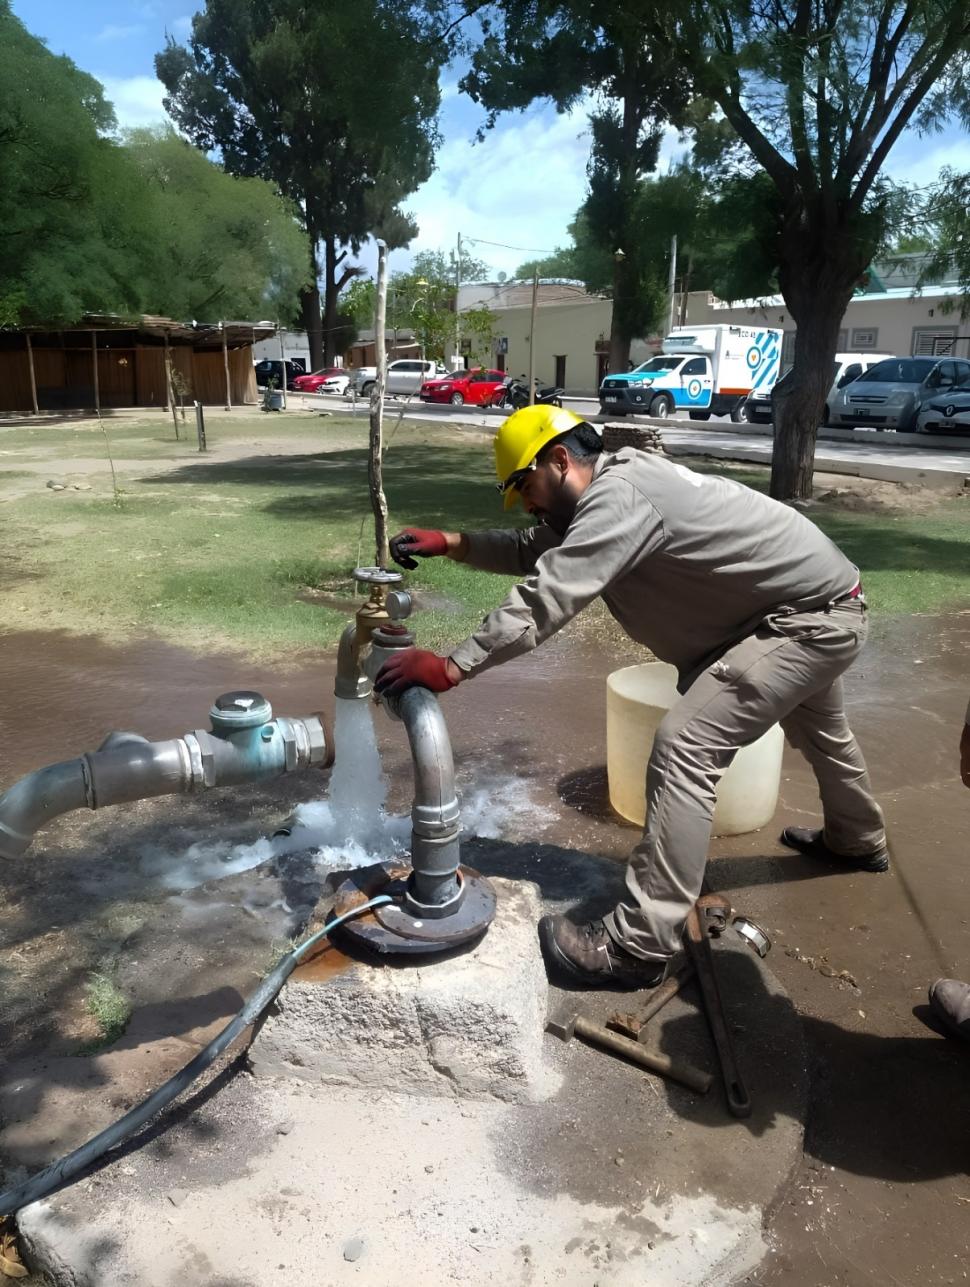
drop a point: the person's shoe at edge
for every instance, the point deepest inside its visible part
(587, 954)
(810, 841)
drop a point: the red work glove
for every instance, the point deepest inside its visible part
(413, 667)
(417, 541)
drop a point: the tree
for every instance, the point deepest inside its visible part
(286, 92)
(817, 93)
(65, 246)
(563, 50)
(216, 246)
(947, 212)
(719, 224)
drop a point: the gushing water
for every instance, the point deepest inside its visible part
(351, 828)
(358, 787)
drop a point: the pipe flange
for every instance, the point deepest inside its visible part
(394, 930)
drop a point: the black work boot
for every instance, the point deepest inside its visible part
(587, 954)
(810, 840)
(950, 1001)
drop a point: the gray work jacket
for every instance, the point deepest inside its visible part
(687, 564)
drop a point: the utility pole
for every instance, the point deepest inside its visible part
(532, 339)
(672, 279)
(457, 293)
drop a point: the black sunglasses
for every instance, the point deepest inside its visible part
(516, 479)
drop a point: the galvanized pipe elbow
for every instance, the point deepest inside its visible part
(435, 814)
(37, 798)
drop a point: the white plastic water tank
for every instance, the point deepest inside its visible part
(637, 699)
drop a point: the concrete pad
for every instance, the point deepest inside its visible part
(619, 1178)
(470, 1025)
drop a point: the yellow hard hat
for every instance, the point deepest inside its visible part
(522, 436)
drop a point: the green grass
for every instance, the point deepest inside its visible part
(109, 1007)
(256, 553)
(250, 552)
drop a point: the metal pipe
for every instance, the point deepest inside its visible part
(245, 745)
(435, 815)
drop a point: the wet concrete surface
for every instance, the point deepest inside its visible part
(883, 1193)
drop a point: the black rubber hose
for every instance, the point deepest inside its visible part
(58, 1173)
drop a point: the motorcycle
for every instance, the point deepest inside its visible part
(515, 394)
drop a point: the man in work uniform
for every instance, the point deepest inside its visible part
(760, 613)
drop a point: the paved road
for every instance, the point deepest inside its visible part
(939, 462)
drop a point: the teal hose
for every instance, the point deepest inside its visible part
(58, 1173)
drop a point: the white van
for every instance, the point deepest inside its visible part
(847, 367)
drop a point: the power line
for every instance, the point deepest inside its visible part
(529, 250)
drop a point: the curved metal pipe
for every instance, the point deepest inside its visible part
(33, 801)
(435, 814)
(127, 767)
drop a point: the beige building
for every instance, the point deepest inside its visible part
(572, 328)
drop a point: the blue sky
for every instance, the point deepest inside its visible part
(520, 187)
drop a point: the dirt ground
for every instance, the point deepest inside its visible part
(883, 1193)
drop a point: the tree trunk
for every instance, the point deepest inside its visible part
(310, 308)
(330, 293)
(818, 277)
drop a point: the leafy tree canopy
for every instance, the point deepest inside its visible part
(55, 161)
(218, 246)
(147, 224)
(336, 104)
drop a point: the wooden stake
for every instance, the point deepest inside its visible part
(169, 388)
(30, 368)
(225, 363)
(97, 385)
(375, 472)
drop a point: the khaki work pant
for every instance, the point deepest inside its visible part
(789, 672)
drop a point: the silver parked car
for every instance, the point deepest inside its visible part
(891, 394)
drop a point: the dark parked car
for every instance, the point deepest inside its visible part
(273, 367)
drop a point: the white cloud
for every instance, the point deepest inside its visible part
(114, 32)
(921, 164)
(137, 99)
(521, 186)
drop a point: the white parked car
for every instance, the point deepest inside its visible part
(948, 413)
(846, 368)
(405, 375)
(335, 384)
